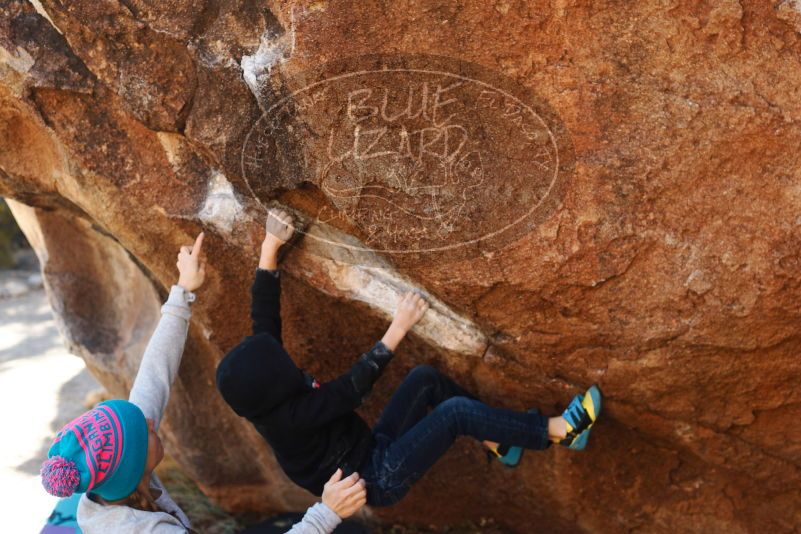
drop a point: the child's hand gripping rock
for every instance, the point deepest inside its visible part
(411, 309)
(279, 229)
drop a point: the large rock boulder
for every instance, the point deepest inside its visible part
(587, 191)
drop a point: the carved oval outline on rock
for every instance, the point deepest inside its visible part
(283, 148)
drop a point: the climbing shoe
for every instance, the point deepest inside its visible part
(501, 453)
(580, 415)
(508, 455)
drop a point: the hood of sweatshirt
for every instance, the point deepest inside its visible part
(257, 375)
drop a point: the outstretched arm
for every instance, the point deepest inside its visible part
(151, 388)
(265, 308)
(341, 498)
(411, 309)
(345, 393)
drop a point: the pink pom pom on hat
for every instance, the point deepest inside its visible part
(60, 477)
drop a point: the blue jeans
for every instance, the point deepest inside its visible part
(408, 440)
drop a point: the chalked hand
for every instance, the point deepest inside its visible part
(279, 227)
(411, 308)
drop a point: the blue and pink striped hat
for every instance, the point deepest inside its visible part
(103, 452)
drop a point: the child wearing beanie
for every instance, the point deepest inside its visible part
(108, 454)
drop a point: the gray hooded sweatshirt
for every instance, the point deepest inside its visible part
(150, 392)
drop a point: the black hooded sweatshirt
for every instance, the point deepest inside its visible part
(311, 427)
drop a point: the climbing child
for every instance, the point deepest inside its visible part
(109, 452)
(313, 428)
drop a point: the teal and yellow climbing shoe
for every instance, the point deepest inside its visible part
(508, 455)
(580, 415)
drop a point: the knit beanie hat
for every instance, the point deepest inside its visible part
(103, 451)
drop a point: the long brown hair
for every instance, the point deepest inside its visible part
(138, 499)
(141, 500)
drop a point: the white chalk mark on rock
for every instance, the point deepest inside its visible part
(221, 208)
(366, 278)
(698, 282)
(382, 289)
(19, 60)
(257, 68)
(790, 12)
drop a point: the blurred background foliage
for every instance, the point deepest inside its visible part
(11, 238)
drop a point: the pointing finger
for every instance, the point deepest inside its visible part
(198, 244)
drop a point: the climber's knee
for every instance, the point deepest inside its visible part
(423, 373)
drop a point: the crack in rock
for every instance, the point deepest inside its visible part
(37, 5)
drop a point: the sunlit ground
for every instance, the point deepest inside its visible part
(42, 386)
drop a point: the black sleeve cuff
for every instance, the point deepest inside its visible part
(266, 282)
(367, 370)
(274, 272)
(379, 355)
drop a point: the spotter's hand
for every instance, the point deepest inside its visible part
(344, 495)
(191, 265)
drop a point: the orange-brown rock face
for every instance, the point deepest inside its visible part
(588, 192)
